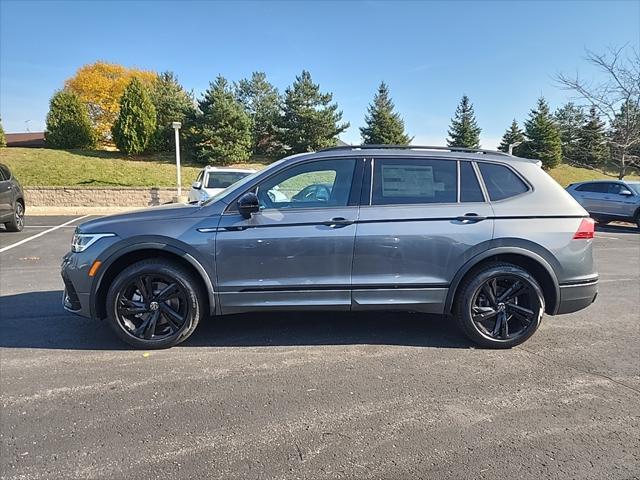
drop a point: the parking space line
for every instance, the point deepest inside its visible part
(49, 226)
(33, 237)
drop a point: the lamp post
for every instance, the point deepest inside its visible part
(176, 128)
(512, 146)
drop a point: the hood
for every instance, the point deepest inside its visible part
(162, 212)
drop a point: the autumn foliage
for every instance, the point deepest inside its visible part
(100, 86)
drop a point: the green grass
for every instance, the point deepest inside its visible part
(69, 168)
(566, 174)
(48, 167)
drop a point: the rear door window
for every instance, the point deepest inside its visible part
(599, 187)
(501, 181)
(412, 181)
(470, 190)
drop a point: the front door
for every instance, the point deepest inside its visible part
(298, 249)
(420, 227)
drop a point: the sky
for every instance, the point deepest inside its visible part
(502, 54)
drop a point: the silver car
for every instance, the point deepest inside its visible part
(488, 239)
(609, 200)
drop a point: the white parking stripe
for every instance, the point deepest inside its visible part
(33, 237)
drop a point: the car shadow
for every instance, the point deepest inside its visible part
(37, 320)
(618, 228)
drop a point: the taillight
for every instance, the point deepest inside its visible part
(585, 230)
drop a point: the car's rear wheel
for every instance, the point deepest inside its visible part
(154, 304)
(499, 306)
(16, 224)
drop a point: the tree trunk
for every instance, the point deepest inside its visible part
(623, 166)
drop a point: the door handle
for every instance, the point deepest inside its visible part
(337, 222)
(470, 218)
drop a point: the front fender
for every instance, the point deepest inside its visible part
(203, 266)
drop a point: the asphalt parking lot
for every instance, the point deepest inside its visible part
(315, 396)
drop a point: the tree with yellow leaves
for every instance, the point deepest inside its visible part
(100, 86)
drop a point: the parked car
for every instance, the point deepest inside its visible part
(609, 200)
(12, 204)
(213, 180)
(484, 237)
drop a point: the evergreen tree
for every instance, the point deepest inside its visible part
(383, 125)
(591, 148)
(624, 137)
(309, 121)
(542, 137)
(3, 139)
(511, 136)
(68, 122)
(569, 120)
(464, 130)
(221, 132)
(172, 104)
(136, 122)
(263, 103)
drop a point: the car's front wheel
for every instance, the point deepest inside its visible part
(16, 224)
(154, 304)
(499, 306)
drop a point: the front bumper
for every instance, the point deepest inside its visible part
(576, 296)
(74, 299)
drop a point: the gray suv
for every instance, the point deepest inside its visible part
(484, 237)
(11, 201)
(609, 200)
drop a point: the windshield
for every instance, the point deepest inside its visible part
(224, 179)
(236, 187)
(635, 186)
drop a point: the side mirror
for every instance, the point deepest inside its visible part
(248, 204)
(626, 192)
(196, 185)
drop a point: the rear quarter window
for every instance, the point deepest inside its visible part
(501, 181)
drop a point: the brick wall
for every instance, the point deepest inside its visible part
(97, 197)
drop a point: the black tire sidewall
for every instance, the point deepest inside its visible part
(12, 225)
(175, 272)
(471, 285)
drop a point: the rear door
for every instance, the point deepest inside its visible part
(422, 220)
(596, 199)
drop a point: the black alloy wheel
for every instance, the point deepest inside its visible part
(500, 306)
(153, 304)
(16, 224)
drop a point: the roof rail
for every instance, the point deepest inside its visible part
(415, 147)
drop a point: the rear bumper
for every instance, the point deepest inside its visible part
(576, 296)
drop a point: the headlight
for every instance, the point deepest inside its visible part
(82, 241)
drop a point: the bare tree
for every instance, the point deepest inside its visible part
(617, 98)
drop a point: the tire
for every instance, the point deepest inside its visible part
(491, 322)
(16, 224)
(175, 301)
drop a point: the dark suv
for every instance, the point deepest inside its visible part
(11, 201)
(485, 237)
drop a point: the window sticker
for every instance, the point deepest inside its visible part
(409, 181)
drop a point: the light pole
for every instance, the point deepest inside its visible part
(512, 146)
(176, 128)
